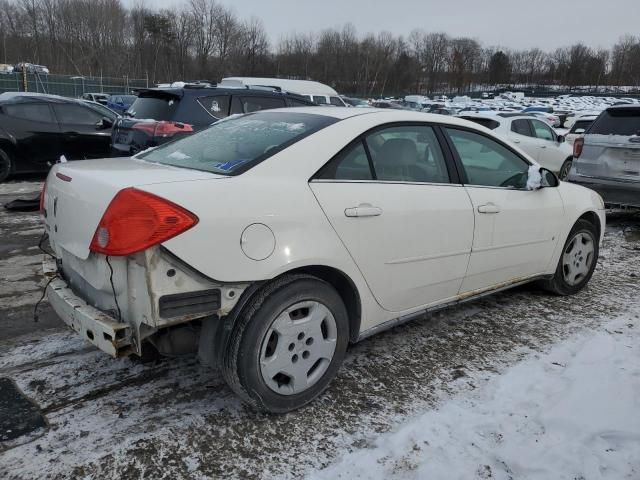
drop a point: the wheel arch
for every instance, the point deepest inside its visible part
(593, 218)
(345, 287)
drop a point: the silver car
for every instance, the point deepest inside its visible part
(607, 158)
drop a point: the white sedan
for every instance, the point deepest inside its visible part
(533, 136)
(270, 241)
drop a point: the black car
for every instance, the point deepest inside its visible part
(159, 115)
(36, 129)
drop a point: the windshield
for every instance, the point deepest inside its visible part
(236, 144)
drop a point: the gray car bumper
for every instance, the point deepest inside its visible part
(616, 193)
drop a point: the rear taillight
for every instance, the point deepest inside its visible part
(42, 194)
(136, 220)
(163, 129)
(578, 144)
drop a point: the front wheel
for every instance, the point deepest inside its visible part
(287, 344)
(577, 261)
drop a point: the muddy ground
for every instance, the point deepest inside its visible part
(177, 419)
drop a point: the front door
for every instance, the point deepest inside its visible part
(407, 227)
(515, 228)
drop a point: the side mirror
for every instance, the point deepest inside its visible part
(540, 177)
(104, 124)
(560, 138)
(549, 179)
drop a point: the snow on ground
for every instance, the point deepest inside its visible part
(570, 413)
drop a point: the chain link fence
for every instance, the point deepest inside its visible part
(67, 85)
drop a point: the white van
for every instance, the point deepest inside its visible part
(315, 91)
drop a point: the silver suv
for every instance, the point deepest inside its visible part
(607, 158)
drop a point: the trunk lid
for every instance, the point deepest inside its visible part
(610, 157)
(78, 193)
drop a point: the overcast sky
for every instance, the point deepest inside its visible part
(546, 24)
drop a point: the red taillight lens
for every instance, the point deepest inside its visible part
(578, 144)
(42, 194)
(163, 129)
(136, 220)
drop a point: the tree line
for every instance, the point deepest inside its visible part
(205, 40)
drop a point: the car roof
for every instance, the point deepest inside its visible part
(624, 107)
(389, 115)
(201, 90)
(19, 97)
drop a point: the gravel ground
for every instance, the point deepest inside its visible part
(176, 419)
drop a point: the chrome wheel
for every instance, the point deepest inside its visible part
(565, 169)
(298, 347)
(578, 258)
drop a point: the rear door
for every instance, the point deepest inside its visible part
(612, 146)
(82, 131)
(409, 229)
(37, 134)
(521, 133)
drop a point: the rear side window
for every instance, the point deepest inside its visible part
(398, 154)
(233, 145)
(350, 164)
(521, 127)
(217, 106)
(156, 108)
(254, 104)
(76, 115)
(620, 121)
(39, 112)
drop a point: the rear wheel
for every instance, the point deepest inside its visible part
(6, 166)
(565, 169)
(577, 262)
(287, 344)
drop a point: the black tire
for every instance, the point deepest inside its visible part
(241, 360)
(6, 166)
(565, 168)
(558, 284)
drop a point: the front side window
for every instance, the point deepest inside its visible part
(543, 131)
(336, 101)
(234, 145)
(38, 112)
(488, 163)
(76, 115)
(320, 99)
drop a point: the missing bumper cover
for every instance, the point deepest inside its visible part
(203, 301)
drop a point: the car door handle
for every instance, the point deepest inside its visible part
(543, 146)
(489, 208)
(516, 141)
(363, 210)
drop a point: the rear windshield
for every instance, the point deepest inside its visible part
(485, 122)
(581, 124)
(236, 144)
(622, 121)
(157, 108)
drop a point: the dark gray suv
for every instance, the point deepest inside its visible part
(607, 158)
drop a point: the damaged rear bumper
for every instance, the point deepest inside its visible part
(99, 328)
